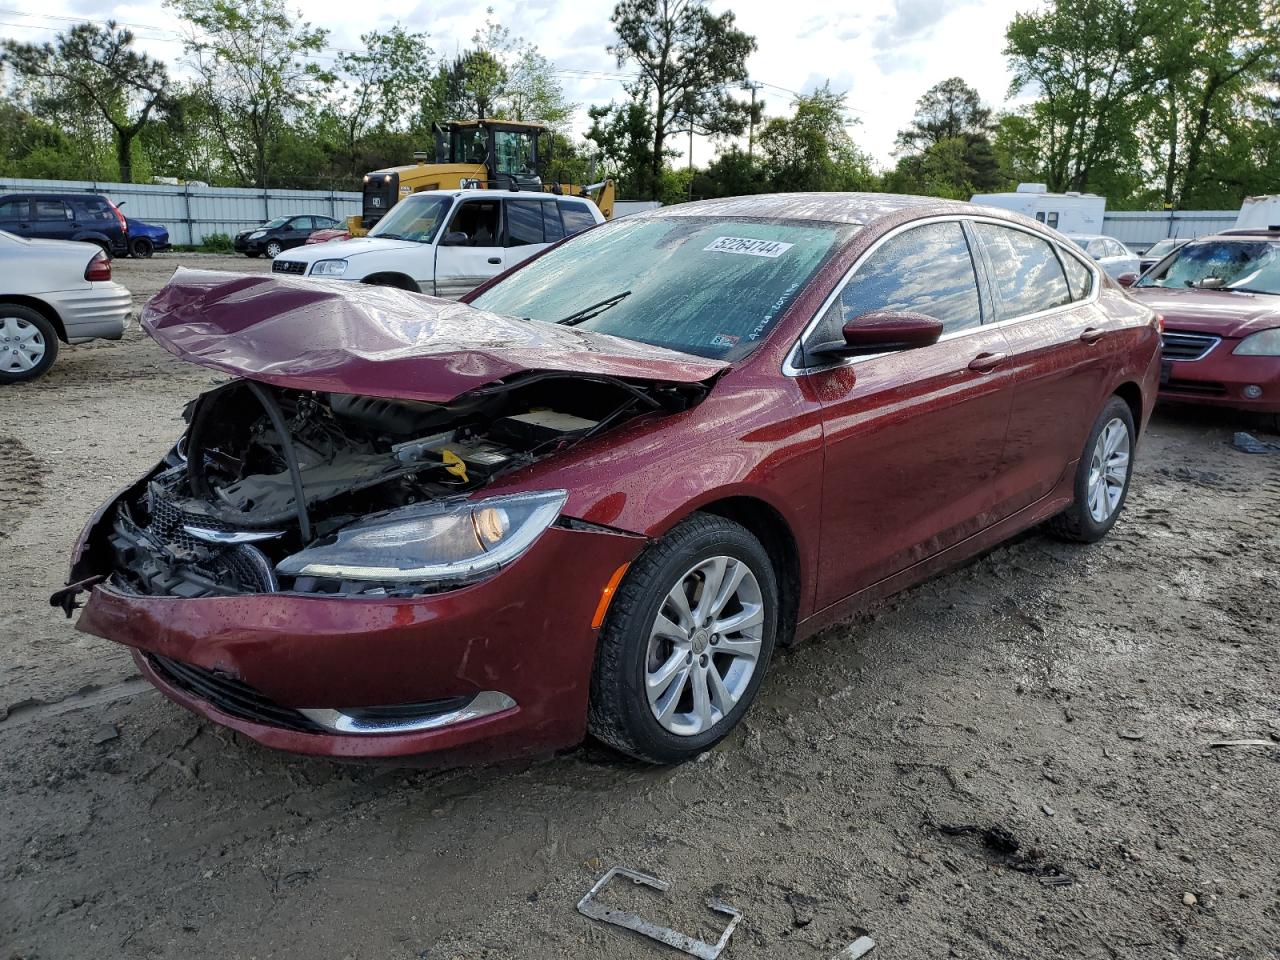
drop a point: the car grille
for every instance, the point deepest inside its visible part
(230, 696)
(1200, 388)
(288, 266)
(1187, 346)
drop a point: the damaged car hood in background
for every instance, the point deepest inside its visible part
(381, 342)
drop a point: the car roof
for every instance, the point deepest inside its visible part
(857, 209)
(1089, 236)
(1265, 233)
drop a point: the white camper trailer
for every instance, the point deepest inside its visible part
(1259, 213)
(1069, 212)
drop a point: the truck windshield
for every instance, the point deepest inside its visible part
(1251, 266)
(413, 218)
(708, 286)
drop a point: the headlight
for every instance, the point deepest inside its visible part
(256, 234)
(1264, 343)
(458, 540)
(329, 268)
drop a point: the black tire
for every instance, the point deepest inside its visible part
(273, 249)
(26, 318)
(1077, 523)
(619, 713)
(141, 248)
(253, 256)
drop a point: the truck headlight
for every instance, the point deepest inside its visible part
(454, 540)
(1264, 343)
(329, 268)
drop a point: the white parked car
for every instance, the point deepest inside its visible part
(51, 291)
(1114, 257)
(446, 242)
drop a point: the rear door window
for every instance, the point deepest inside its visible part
(51, 210)
(1025, 271)
(1079, 277)
(552, 228)
(927, 269)
(576, 218)
(524, 222)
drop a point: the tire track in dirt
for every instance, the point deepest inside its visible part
(22, 476)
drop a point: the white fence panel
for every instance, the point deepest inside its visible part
(192, 213)
(1141, 228)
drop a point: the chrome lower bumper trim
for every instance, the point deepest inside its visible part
(483, 704)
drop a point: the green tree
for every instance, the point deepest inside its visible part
(96, 69)
(376, 85)
(688, 60)
(256, 69)
(947, 110)
(623, 138)
(812, 149)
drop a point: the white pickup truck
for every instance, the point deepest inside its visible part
(446, 242)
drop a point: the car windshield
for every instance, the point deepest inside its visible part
(272, 224)
(707, 286)
(1246, 265)
(413, 218)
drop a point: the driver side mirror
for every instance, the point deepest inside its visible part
(455, 238)
(1127, 279)
(883, 331)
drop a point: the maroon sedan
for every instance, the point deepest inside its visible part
(598, 497)
(1220, 299)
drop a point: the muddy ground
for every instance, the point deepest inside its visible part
(1069, 695)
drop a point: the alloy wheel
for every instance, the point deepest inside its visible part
(1108, 470)
(704, 645)
(274, 249)
(22, 345)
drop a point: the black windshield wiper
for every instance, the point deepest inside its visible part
(586, 313)
(390, 236)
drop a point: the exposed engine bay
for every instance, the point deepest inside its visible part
(274, 489)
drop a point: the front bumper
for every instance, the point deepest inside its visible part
(97, 311)
(1220, 377)
(242, 245)
(525, 633)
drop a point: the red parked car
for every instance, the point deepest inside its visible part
(1220, 299)
(324, 236)
(599, 496)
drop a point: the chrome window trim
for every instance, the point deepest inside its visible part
(790, 366)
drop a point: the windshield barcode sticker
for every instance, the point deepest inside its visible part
(752, 248)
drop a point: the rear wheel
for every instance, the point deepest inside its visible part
(141, 248)
(1102, 477)
(28, 343)
(686, 642)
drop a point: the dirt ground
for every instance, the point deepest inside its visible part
(1071, 696)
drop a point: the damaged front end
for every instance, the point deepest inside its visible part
(300, 491)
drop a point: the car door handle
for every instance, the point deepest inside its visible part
(987, 361)
(496, 261)
(1091, 335)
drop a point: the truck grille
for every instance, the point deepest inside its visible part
(296, 267)
(1187, 346)
(230, 696)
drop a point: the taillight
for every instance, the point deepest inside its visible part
(99, 267)
(124, 224)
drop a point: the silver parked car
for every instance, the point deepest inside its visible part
(54, 291)
(1114, 257)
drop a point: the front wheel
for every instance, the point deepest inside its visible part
(686, 642)
(251, 255)
(274, 249)
(1102, 477)
(141, 248)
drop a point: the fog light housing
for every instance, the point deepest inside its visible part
(1251, 392)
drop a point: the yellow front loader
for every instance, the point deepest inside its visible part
(484, 154)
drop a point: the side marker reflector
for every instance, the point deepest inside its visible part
(607, 594)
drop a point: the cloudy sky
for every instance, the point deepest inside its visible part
(883, 53)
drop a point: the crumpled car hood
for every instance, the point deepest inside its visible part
(1219, 312)
(381, 342)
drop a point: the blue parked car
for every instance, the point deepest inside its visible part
(146, 238)
(65, 216)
